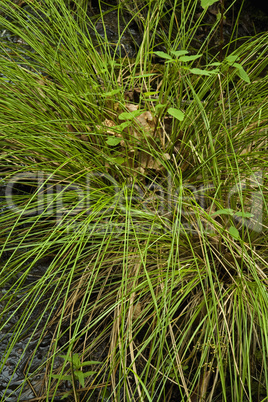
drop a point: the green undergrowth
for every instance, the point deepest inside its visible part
(141, 185)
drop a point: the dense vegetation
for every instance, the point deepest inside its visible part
(139, 186)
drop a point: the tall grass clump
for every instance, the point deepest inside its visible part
(135, 188)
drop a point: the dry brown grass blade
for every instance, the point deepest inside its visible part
(200, 391)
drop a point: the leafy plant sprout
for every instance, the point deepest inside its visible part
(133, 206)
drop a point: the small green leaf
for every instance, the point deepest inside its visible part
(244, 214)
(58, 376)
(218, 16)
(227, 211)
(178, 114)
(76, 360)
(89, 373)
(67, 358)
(190, 58)
(118, 160)
(81, 378)
(129, 115)
(152, 93)
(66, 395)
(198, 71)
(237, 65)
(123, 125)
(113, 141)
(163, 55)
(111, 93)
(67, 378)
(160, 106)
(207, 3)
(241, 72)
(234, 232)
(88, 363)
(231, 58)
(178, 53)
